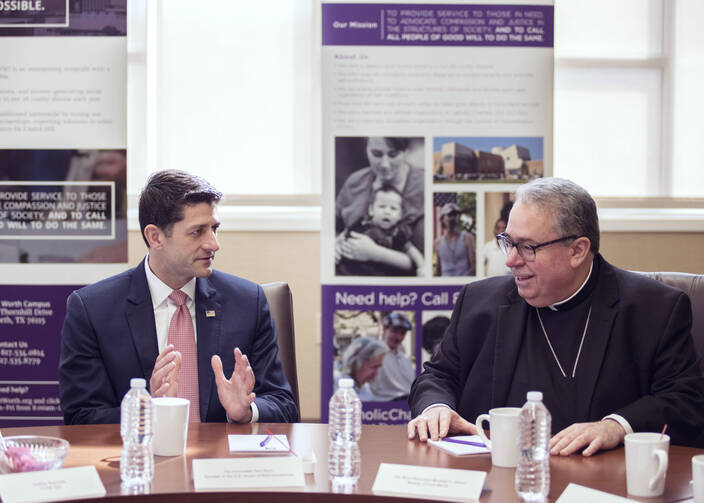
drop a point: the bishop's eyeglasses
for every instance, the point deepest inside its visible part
(526, 251)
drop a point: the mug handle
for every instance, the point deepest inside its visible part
(480, 430)
(662, 467)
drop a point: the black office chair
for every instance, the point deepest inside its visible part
(692, 285)
(278, 294)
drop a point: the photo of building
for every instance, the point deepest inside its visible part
(486, 159)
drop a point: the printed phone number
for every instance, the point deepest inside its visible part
(17, 362)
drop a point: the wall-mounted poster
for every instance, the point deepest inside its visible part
(63, 173)
(433, 114)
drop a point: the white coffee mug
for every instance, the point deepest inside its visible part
(170, 425)
(646, 463)
(698, 478)
(504, 433)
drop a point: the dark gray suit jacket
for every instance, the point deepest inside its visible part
(109, 336)
(638, 358)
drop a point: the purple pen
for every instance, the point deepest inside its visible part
(265, 441)
(463, 442)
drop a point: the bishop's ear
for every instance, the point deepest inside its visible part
(579, 250)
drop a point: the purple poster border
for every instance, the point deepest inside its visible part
(384, 298)
(29, 390)
(52, 18)
(438, 25)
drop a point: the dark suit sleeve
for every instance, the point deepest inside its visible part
(676, 394)
(85, 391)
(440, 381)
(274, 398)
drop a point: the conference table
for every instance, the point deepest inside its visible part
(100, 445)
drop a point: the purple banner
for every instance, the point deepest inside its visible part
(30, 326)
(107, 18)
(438, 25)
(34, 12)
(354, 313)
(63, 206)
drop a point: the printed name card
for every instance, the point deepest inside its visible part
(247, 473)
(53, 485)
(574, 493)
(428, 482)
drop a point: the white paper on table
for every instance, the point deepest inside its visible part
(51, 485)
(574, 493)
(252, 443)
(429, 482)
(247, 473)
(457, 449)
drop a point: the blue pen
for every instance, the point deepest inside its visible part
(464, 442)
(265, 441)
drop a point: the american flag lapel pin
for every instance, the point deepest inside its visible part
(209, 314)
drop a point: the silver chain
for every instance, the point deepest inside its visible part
(579, 351)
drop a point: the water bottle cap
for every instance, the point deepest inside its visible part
(138, 382)
(345, 382)
(534, 395)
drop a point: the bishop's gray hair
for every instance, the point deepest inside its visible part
(572, 208)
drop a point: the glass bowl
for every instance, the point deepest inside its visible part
(29, 453)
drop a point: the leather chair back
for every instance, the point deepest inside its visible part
(278, 294)
(692, 285)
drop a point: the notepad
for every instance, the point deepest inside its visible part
(258, 443)
(459, 449)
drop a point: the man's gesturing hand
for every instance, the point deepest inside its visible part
(164, 379)
(437, 422)
(235, 393)
(604, 434)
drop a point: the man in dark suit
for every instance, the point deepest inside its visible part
(611, 350)
(124, 326)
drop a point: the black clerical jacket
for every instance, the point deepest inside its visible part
(638, 358)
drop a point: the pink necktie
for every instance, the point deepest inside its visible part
(182, 337)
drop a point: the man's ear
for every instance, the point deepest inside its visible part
(154, 236)
(579, 250)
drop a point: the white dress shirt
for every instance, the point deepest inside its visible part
(164, 309)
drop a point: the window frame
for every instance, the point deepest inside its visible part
(302, 212)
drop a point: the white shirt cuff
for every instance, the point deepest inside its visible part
(622, 421)
(255, 414)
(433, 406)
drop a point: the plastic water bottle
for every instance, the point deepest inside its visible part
(533, 471)
(345, 428)
(137, 429)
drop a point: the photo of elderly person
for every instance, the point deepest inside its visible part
(390, 162)
(361, 361)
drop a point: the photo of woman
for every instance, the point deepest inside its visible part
(379, 207)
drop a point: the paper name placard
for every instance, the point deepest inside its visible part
(574, 493)
(429, 482)
(247, 473)
(53, 485)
